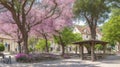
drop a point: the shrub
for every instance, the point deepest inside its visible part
(21, 57)
(28, 58)
(98, 47)
(2, 48)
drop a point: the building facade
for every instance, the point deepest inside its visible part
(9, 43)
(85, 32)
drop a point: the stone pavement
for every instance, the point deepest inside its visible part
(110, 61)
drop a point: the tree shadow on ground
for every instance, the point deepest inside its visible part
(113, 59)
(57, 63)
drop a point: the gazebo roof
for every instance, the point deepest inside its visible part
(90, 42)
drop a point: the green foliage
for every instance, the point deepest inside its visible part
(30, 49)
(32, 41)
(41, 45)
(2, 48)
(77, 37)
(98, 47)
(112, 45)
(115, 12)
(111, 29)
(68, 36)
(96, 9)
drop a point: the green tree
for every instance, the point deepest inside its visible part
(41, 45)
(111, 29)
(32, 42)
(65, 37)
(77, 37)
(92, 11)
(115, 12)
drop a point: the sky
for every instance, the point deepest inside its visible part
(79, 22)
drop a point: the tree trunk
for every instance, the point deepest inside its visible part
(25, 43)
(46, 42)
(92, 22)
(88, 49)
(62, 44)
(93, 32)
(19, 46)
(63, 50)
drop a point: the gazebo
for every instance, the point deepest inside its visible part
(92, 43)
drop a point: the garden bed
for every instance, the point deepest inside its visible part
(39, 57)
(31, 58)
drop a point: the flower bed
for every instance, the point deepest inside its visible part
(34, 57)
(23, 58)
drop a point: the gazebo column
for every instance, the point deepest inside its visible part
(92, 52)
(81, 51)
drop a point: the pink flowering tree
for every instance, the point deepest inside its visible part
(51, 28)
(44, 30)
(20, 9)
(27, 14)
(58, 21)
(9, 29)
(12, 31)
(59, 35)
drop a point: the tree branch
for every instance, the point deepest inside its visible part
(30, 7)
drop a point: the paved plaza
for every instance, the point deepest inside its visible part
(110, 61)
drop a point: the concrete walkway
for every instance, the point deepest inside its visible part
(110, 61)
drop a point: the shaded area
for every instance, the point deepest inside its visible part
(57, 63)
(91, 51)
(113, 59)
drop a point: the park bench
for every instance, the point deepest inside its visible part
(87, 56)
(5, 59)
(99, 56)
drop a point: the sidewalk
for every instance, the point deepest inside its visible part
(110, 61)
